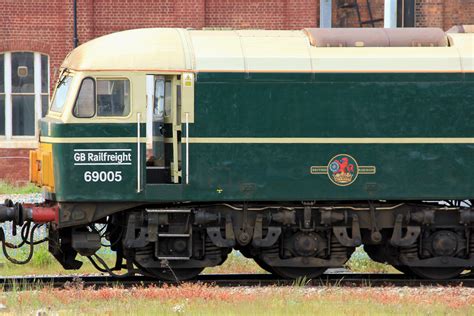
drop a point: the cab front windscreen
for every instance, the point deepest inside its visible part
(57, 104)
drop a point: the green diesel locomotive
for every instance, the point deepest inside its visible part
(293, 147)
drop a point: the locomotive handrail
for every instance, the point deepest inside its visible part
(187, 148)
(138, 154)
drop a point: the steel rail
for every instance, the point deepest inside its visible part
(230, 280)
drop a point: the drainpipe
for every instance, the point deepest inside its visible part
(390, 16)
(325, 13)
(75, 39)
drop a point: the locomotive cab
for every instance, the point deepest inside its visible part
(116, 130)
(138, 144)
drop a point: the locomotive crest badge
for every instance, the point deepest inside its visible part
(343, 170)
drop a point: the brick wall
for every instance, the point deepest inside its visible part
(36, 26)
(14, 165)
(262, 14)
(46, 26)
(445, 14)
(110, 16)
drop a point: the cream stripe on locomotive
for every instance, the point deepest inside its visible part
(329, 140)
(90, 140)
(273, 140)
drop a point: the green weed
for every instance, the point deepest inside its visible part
(41, 257)
(301, 281)
(360, 262)
(44, 263)
(8, 188)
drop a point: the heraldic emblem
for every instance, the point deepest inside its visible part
(343, 170)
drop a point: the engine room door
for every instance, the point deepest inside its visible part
(163, 130)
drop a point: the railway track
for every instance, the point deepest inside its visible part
(230, 280)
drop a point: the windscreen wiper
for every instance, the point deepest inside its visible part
(62, 77)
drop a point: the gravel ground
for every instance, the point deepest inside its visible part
(40, 232)
(23, 198)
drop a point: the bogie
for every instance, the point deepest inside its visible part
(289, 240)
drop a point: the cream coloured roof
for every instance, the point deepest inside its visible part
(139, 49)
(182, 50)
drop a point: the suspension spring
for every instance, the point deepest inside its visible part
(471, 244)
(410, 252)
(338, 250)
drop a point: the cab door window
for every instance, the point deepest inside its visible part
(159, 101)
(168, 98)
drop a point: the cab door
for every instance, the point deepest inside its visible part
(163, 164)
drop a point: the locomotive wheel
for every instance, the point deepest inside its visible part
(264, 266)
(294, 273)
(437, 273)
(176, 275)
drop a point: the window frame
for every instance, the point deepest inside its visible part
(8, 139)
(95, 79)
(4, 94)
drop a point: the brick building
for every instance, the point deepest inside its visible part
(35, 36)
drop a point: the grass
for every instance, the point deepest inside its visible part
(301, 281)
(7, 188)
(360, 262)
(236, 263)
(44, 263)
(198, 299)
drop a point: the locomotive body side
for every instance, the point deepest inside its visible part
(401, 115)
(273, 136)
(264, 142)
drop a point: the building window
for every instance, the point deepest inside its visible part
(405, 13)
(24, 93)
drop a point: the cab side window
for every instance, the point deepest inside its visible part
(109, 98)
(113, 97)
(85, 102)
